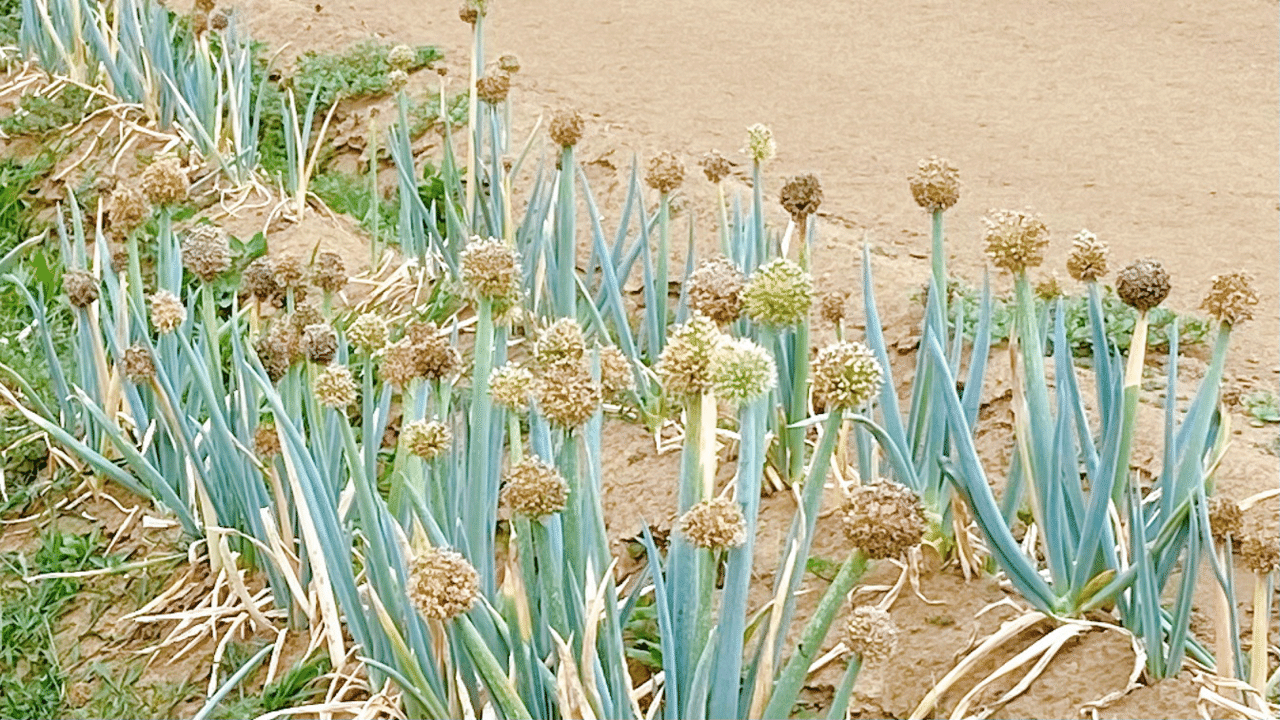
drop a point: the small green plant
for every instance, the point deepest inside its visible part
(351, 195)
(40, 115)
(361, 70)
(1263, 407)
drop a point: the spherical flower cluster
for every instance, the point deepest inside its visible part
(167, 312)
(442, 584)
(399, 364)
(368, 332)
(434, 356)
(1015, 240)
(666, 172)
(715, 290)
(491, 270)
(831, 306)
(493, 88)
(801, 196)
(714, 524)
(509, 63)
(81, 288)
(402, 57)
(534, 489)
(778, 294)
(335, 387)
(164, 182)
(562, 340)
(742, 371)
(259, 279)
(1231, 298)
(279, 347)
(136, 365)
(1225, 518)
(511, 387)
(871, 633)
(1143, 284)
(936, 184)
(567, 395)
(846, 375)
(206, 253)
(319, 343)
(684, 367)
(715, 166)
(566, 128)
(1088, 259)
(616, 377)
(126, 209)
(266, 441)
(397, 80)
(290, 272)
(760, 146)
(329, 273)
(883, 520)
(427, 439)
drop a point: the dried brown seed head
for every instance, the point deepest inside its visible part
(442, 584)
(1015, 240)
(136, 365)
(164, 182)
(801, 196)
(562, 340)
(566, 128)
(714, 524)
(831, 306)
(715, 290)
(266, 441)
(666, 172)
(616, 377)
(509, 63)
(126, 209)
(319, 343)
(511, 387)
(259, 280)
(1088, 259)
(206, 252)
(493, 88)
(491, 269)
(1143, 284)
(884, 519)
(567, 394)
(290, 271)
(1260, 552)
(399, 364)
(716, 166)
(1231, 298)
(871, 633)
(329, 273)
(81, 288)
(935, 185)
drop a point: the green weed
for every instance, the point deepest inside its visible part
(296, 687)
(361, 70)
(40, 115)
(1263, 407)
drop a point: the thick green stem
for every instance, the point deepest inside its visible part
(1129, 410)
(481, 478)
(939, 259)
(840, 702)
(792, 678)
(799, 404)
(661, 279)
(565, 292)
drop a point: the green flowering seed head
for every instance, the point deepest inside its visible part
(616, 377)
(742, 371)
(760, 146)
(427, 439)
(778, 294)
(402, 57)
(491, 269)
(684, 367)
(335, 387)
(535, 489)
(368, 332)
(846, 375)
(1015, 240)
(511, 387)
(562, 340)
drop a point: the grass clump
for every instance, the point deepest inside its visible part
(40, 115)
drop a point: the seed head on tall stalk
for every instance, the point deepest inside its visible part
(665, 174)
(717, 167)
(565, 130)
